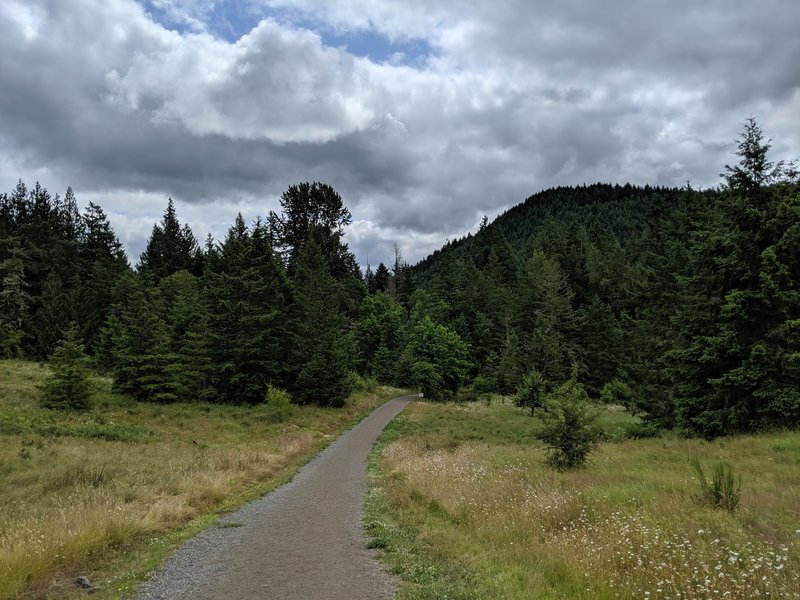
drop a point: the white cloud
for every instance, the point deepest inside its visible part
(515, 98)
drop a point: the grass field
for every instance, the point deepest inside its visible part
(464, 508)
(107, 493)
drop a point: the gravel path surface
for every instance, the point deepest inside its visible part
(303, 540)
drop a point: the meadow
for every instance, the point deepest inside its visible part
(463, 507)
(107, 493)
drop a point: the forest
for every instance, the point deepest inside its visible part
(682, 305)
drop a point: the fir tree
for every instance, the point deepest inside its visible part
(171, 248)
(69, 386)
(318, 352)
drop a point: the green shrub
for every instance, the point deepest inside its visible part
(426, 377)
(69, 386)
(642, 430)
(277, 406)
(531, 391)
(723, 491)
(618, 392)
(483, 385)
(357, 383)
(568, 425)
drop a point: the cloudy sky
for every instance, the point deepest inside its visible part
(423, 114)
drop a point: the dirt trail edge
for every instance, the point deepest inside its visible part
(303, 540)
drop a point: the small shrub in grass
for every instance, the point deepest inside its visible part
(483, 385)
(69, 386)
(277, 406)
(618, 392)
(724, 490)
(531, 392)
(642, 430)
(568, 425)
(357, 383)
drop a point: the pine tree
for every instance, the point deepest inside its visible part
(102, 262)
(14, 302)
(380, 281)
(319, 353)
(171, 248)
(69, 386)
(313, 212)
(545, 319)
(380, 336)
(246, 291)
(732, 367)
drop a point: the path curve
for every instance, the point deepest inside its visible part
(303, 540)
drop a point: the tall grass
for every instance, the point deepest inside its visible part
(494, 522)
(78, 500)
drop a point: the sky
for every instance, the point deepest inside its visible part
(424, 115)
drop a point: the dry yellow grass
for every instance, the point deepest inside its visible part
(74, 499)
(628, 526)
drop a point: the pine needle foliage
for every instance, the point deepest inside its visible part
(69, 386)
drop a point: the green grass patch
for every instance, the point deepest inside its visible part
(462, 492)
(109, 492)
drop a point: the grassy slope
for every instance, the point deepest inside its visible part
(464, 508)
(109, 492)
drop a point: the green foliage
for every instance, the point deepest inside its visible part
(723, 491)
(246, 296)
(276, 408)
(437, 357)
(318, 353)
(740, 301)
(618, 392)
(69, 386)
(531, 391)
(568, 426)
(380, 336)
(171, 248)
(313, 212)
(357, 383)
(545, 318)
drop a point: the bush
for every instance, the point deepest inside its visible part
(483, 385)
(426, 377)
(618, 392)
(69, 386)
(531, 391)
(640, 431)
(277, 406)
(357, 383)
(569, 426)
(723, 491)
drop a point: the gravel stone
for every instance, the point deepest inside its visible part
(303, 540)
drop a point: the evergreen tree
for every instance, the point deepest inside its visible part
(171, 248)
(14, 302)
(246, 291)
(69, 386)
(380, 336)
(318, 352)
(545, 319)
(732, 368)
(313, 212)
(136, 343)
(380, 280)
(102, 261)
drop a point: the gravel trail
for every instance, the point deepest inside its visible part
(303, 540)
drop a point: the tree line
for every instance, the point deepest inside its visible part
(680, 304)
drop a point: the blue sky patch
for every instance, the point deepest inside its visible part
(232, 19)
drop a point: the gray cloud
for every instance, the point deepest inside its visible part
(515, 99)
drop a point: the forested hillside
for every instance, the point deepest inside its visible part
(680, 304)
